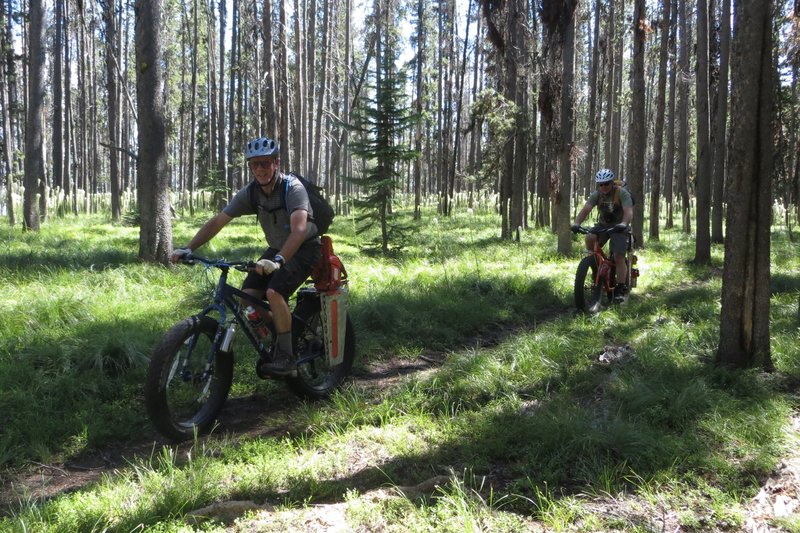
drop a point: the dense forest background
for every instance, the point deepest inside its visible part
(488, 85)
(141, 110)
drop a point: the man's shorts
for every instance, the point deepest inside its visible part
(620, 242)
(290, 276)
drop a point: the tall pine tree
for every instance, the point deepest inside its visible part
(379, 123)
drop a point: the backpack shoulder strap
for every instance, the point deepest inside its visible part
(286, 192)
(617, 199)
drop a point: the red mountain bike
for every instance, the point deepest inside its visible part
(596, 275)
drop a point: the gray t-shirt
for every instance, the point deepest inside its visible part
(273, 210)
(610, 210)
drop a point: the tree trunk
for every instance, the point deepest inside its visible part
(564, 194)
(7, 84)
(34, 135)
(191, 178)
(611, 66)
(58, 97)
(720, 126)
(683, 118)
(702, 251)
(283, 92)
(669, 169)
(112, 53)
(324, 83)
(222, 166)
(637, 134)
(298, 148)
(420, 85)
(658, 135)
(744, 319)
(589, 166)
(616, 110)
(155, 232)
(269, 119)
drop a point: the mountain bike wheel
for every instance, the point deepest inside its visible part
(317, 379)
(587, 295)
(182, 395)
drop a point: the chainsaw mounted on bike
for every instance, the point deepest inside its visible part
(191, 370)
(596, 274)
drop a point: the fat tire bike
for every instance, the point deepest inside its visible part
(191, 369)
(596, 276)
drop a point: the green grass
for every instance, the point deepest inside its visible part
(525, 420)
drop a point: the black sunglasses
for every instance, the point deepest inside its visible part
(262, 164)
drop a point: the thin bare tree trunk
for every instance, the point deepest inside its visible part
(683, 118)
(34, 135)
(269, 118)
(112, 52)
(283, 92)
(7, 88)
(637, 134)
(658, 136)
(191, 178)
(420, 66)
(702, 251)
(720, 125)
(589, 167)
(298, 135)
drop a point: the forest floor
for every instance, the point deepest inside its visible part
(243, 418)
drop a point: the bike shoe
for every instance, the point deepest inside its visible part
(281, 365)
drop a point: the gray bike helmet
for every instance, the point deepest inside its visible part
(262, 146)
(604, 175)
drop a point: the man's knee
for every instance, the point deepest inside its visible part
(272, 293)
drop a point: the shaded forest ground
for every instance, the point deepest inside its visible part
(480, 396)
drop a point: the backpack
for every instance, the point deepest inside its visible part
(617, 200)
(323, 212)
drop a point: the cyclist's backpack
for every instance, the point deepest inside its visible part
(617, 200)
(323, 212)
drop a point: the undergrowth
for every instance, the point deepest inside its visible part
(535, 414)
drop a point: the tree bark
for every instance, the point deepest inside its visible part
(564, 193)
(269, 119)
(155, 232)
(683, 118)
(720, 126)
(34, 135)
(702, 251)
(744, 319)
(109, 16)
(637, 134)
(658, 135)
(7, 85)
(420, 86)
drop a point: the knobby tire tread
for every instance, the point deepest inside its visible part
(155, 391)
(306, 310)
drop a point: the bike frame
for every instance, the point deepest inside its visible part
(225, 300)
(606, 268)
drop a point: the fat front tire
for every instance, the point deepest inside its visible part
(182, 395)
(587, 295)
(317, 379)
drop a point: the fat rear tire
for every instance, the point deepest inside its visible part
(317, 379)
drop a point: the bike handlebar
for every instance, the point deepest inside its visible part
(242, 266)
(597, 231)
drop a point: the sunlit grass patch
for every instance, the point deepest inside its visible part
(529, 415)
